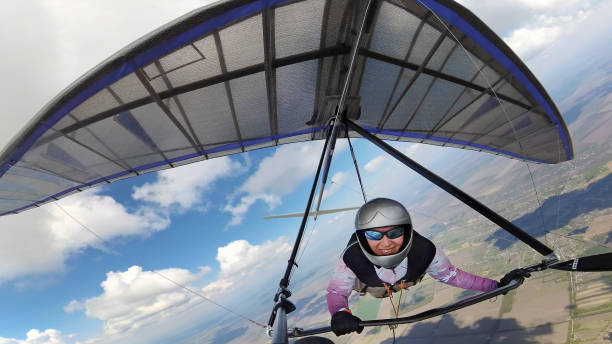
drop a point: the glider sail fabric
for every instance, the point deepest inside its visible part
(243, 75)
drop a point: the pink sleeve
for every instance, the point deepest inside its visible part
(340, 287)
(441, 269)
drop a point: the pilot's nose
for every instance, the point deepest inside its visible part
(385, 241)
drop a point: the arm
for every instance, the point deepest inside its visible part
(340, 287)
(338, 291)
(442, 270)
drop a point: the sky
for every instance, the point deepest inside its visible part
(94, 267)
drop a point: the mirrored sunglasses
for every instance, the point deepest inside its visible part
(391, 234)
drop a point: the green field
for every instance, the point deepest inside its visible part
(367, 307)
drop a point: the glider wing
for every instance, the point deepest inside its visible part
(241, 75)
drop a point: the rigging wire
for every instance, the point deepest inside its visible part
(159, 273)
(345, 186)
(490, 87)
(312, 229)
(365, 199)
(538, 200)
(304, 247)
(539, 203)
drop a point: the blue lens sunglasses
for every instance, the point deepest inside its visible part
(391, 234)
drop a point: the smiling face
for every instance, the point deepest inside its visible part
(385, 246)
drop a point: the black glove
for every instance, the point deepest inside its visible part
(344, 323)
(516, 273)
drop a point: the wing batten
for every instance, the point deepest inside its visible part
(518, 71)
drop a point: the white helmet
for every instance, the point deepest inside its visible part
(383, 212)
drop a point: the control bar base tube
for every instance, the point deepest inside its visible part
(453, 190)
(434, 312)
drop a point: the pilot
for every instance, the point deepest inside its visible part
(384, 255)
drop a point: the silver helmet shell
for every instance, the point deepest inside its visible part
(383, 212)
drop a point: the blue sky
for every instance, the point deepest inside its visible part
(201, 224)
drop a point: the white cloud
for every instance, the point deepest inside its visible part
(40, 241)
(239, 210)
(375, 164)
(34, 336)
(545, 29)
(74, 306)
(529, 27)
(183, 187)
(141, 306)
(411, 149)
(277, 176)
(546, 5)
(335, 183)
(135, 298)
(241, 261)
(580, 52)
(423, 154)
(337, 217)
(528, 42)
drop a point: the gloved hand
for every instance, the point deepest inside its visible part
(343, 322)
(512, 275)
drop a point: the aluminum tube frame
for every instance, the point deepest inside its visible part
(337, 122)
(280, 335)
(284, 282)
(434, 312)
(455, 191)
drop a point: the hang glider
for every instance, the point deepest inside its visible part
(241, 75)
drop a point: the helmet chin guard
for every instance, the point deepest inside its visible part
(383, 212)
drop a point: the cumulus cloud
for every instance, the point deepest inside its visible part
(529, 27)
(137, 304)
(182, 188)
(242, 261)
(34, 336)
(40, 241)
(547, 5)
(375, 164)
(74, 306)
(527, 42)
(135, 298)
(276, 176)
(338, 180)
